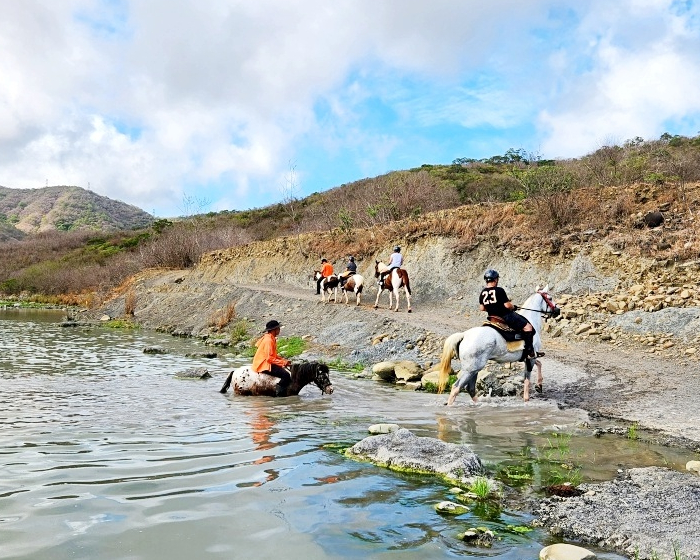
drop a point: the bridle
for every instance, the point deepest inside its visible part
(325, 379)
(553, 310)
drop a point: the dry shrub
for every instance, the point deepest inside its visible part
(557, 210)
(130, 303)
(221, 318)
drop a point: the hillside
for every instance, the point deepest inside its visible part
(64, 208)
(517, 201)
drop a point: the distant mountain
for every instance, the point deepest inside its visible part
(64, 208)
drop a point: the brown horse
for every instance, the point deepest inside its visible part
(248, 383)
(355, 284)
(398, 278)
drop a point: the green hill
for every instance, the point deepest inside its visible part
(64, 208)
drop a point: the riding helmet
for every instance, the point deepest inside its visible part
(490, 275)
(397, 249)
(352, 259)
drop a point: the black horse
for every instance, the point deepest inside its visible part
(248, 383)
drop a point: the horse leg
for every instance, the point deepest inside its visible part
(538, 385)
(408, 298)
(227, 383)
(396, 293)
(466, 379)
(376, 301)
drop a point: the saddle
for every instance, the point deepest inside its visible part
(514, 339)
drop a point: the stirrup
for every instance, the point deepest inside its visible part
(539, 354)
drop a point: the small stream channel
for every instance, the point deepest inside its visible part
(106, 454)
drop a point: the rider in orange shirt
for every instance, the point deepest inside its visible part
(326, 271)
(267, 360)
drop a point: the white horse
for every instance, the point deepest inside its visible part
(478, 345)
(392, 283)
(355, 284)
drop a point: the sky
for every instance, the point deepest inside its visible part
(184, 106)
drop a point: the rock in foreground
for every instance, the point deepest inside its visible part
(651, 509)
(404, 451)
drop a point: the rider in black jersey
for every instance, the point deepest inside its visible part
(494, 300)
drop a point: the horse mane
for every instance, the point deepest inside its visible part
(531, 302)
(304, 371)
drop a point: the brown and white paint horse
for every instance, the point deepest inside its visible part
(353, 284)
(392, 283)
(247, 383)
(329, 286)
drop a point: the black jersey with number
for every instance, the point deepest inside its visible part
(494, 299)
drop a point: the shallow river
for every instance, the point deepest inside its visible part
(105, 454)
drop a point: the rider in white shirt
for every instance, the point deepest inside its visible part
(396, 261)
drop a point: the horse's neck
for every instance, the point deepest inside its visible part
(535, 317)
(381, 267)
(302, 374)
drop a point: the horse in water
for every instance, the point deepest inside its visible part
(329, 285)
(478, 345)
(398, 278)
(353, 284)
(248, 383)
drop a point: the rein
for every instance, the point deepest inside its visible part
(553, 310)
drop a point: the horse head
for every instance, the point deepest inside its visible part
(548, 306)
(322, 379)
(376, 269)
(317, 274)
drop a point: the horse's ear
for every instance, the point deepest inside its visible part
(546, 289)
(538, 288)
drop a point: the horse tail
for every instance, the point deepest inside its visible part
(449, 350)
(227, 383)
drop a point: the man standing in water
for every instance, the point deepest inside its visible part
(267, 360)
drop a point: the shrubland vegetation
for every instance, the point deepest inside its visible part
(518, 199)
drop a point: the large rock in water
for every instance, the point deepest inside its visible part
(194, 373)
(404, 451)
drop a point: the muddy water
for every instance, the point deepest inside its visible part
(105, 454)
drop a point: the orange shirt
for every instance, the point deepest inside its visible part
(326, 270)
(266, 354)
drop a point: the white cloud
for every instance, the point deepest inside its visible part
(146, 100)
(644, 67)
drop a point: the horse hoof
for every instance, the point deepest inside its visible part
(409, 310)
(538, 388)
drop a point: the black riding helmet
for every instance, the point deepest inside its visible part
(352, 259)
(397, 249)
(490, 275)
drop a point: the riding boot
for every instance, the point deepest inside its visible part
(528, 337)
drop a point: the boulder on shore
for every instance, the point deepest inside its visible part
(646, 509)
